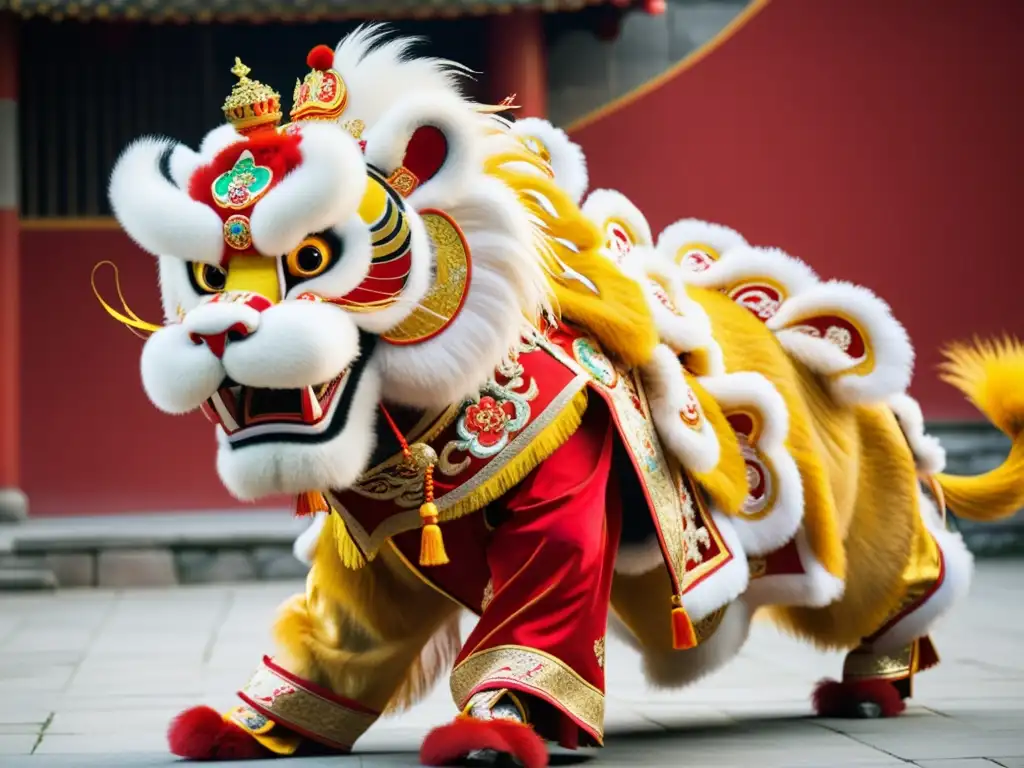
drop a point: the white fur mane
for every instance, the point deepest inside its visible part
(381, 70)
(508, 288)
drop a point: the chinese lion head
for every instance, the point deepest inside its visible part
(366, 250)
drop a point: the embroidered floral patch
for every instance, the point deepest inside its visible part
(244, 184)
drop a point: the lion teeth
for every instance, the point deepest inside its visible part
(222, 411)
(311, 410)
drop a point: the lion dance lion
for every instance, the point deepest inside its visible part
(502, 394)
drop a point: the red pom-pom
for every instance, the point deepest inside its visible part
(834, 699)
(321, 57)
(450, 743)
(201, 733)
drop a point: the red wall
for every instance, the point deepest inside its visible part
(91, 441)
(879, 140)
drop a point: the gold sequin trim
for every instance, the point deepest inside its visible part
(531, 671)
(863, 664)
(290, 704)
(599, 651)
(403, 181)
(488, 595)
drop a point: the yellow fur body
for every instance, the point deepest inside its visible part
(991, 375)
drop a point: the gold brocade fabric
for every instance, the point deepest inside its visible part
(291, 704)
(534, 672)
(921, 577)
(862, 664)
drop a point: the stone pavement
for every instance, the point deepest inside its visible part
(90, 679)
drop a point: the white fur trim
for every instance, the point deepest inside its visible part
(156, 214)
(885, 340)
(603, 205)
(675, 669)
(264, 469)
(753, 393)
(388, 141)
(304, 547)
(507, 285)
(725, 584)
(323, 191)
(929, 455)
(755, 265)
(814, 588)
(182, 164)
(695, 233)
(958, 564)
(297, 344)
(567, 159)
(177, 375)
(697, 449)
(381, 70)
(221, 137)
(682, 323)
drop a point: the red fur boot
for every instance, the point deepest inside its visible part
(201, 733)
(451, 743)
(857, 699)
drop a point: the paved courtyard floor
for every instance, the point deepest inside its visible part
(91, 678)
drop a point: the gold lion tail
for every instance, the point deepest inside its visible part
(991, 375)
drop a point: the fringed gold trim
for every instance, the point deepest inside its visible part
(726, 484)
(546, 443)
(348, 551)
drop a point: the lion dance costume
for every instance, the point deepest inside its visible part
(503, 395)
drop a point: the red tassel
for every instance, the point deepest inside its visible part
(451, 743)
(201, 733)
(309, 503)
(683, 636)
(928, 657)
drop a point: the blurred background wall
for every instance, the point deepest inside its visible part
(877, 139)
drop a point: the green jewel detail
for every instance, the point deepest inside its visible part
(244, 184)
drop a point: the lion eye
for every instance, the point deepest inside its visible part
(207, 278)
(310, 259)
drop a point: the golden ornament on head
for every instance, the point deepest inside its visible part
(321, 94)
(251, 106)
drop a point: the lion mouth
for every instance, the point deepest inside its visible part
(250, 415)
(248, 411)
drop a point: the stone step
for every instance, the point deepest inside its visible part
(159, 550)
(26, 579)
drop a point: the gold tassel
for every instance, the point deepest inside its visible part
(431, 541)
(309, 503)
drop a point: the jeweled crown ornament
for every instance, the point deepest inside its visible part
(252, 106)
(321, 94)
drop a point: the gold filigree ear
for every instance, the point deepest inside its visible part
(447, 294)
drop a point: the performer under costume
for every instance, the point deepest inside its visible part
(396, 309)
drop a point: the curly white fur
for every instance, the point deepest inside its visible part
(567, 159)
(321, 192)
(694, 244)
(185, 228)
(929, 455)
(697, 449)
(753, 393)
(884, 337)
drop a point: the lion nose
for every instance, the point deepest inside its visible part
(224, 319)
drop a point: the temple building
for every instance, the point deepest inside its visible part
(878, 141)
